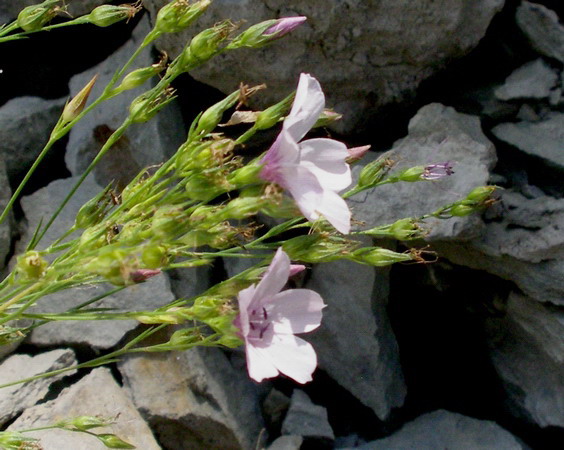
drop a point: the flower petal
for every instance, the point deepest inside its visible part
(292, 356)
(326, 159)
(259, 364)
(295, 311)
(307, 107)
(305, 189)
(244, 298)
(336, 211)
(273, 280)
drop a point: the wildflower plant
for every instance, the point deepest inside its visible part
(201, 204)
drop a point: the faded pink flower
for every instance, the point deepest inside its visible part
(268, 320)
(314, 170)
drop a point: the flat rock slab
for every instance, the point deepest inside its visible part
(543, 29)
(14, 399)
(97, 394)
(365, 53)
(542, 139)
(436, 134)
(194, 399)
(534, 80)
(141, 145)
(364, 358)
(447, 430)
(99, 334)
(527, 350)
(306, 419)
(25, 126)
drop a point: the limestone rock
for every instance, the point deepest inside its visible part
(25, 126)
(365, 53)
(100, 334)
(445, 429)
(364, 358)
(306, 419)
(535, 80)
(14, 399)
(528, 353)
(540, 139)
(436, 134)
(542, 28)
(194, 399)
(97, 394)
(141, 145)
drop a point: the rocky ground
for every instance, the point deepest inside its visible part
(465, 353)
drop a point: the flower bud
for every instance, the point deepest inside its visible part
(12, 440)
(112, 441)
(32, 18)
(316, 248)
(211, 117)
(327, 117)
(106, 15)
(379, 257)
(357, 153)
(92, 212)
(154, 256)
(204, 45)
(83, 423)
(167, 221)
(402, 230)
(74, 107)
(410, 175)
(248, 174)
(240, 208)
(142, 110)
(272, 115)
(31, 265)
(178, 15)
(480, 194)
(461, 210)
(205, 187)
(374, 172)
(138, 77)
(142, 275)
(266, 32)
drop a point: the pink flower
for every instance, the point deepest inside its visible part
(268, 320)
(314, 170)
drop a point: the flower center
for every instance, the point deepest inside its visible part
(258, 324)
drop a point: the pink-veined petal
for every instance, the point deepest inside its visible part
(292, 356)
(335, 209)
(274, 279)
(308, 105)
(295, 311)
(305, 189)
(326, 159)
(259, 365)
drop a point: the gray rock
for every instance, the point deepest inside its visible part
(541, 139)
(542, 28)
(9, 9)
(25, 126)
(543, 281)
(365, 53)
(364, 359)
(287, 443)
(274, 407)
(536, 79)
(99, 334)
(142, 145)
(436, 134)
(306, 419)
(447, 430)
(527, 351)
(525, 229)
(97, 394)
(14, 399)
(6, 226)
(200, 401)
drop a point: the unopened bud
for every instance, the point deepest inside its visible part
(139, 77)
(461, 210)
(273, 114)
(12, 440)
(357, 153)
(112, 441)
(248, 174)
(84, 423)
(142, 275)
(154, 256)
(316, 248)
(32, 18)
(379, 257)
(205, 45)
(327, 117)
(480, 194)
(93, 211)
(411, 175)
(179, 14)
(374, 172)
(240, 208)
(74, 107)
(266, 32)
(106, 15)
(211, 117)
(142, 109)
